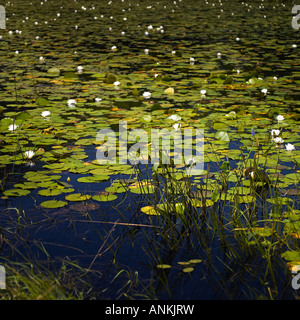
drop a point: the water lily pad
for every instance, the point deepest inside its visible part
(262, 231)
(26, 185)
(222, 136)
(184, 263)
(150, 210)
(143, 189)
(280, 201)
(54, 71)
(16, 192)
(77, 197)
(49, 192)
(291, 255)
(105, 197)
(195, 261)
(93, 179)
(163, 266)
(51, 204)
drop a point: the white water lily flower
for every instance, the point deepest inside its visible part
(174, 117)
(264, 91)
(289, 147)
(203, 92)
(173, 52)
(13, 127)
(190, 161)
(177, 126)
(117, 83)
(45, 113)
(278, 140)
(275, 132)
(29, 154)
(280, 118)
(147, 95)
(275, 78)
(114, 48)
(72, 103)
(98, 99)
(252, 174)
(146, 51)
(219, 55)
(42, 58)
(16, 52)
(79, 69)
(294, 46)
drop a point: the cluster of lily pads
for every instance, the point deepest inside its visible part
(57, 94)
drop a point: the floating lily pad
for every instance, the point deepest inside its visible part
(195, 261)
(150, 210)
(49, 192)
(77, 197)
(143, 189)
(16, 192)
(262, 231)
(93, 179)
(105, 197)
(51, 204)
(163, 266)
(291, 255)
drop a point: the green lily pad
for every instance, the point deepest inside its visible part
(163, 266)
(150, 210)
(105, 197)
(77, 197)
(16, 192)
(222, 136)
(195, 261)
(291, 255)
(93, 179)
(51, 204)
(49, 192)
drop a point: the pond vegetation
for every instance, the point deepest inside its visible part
(72, 228)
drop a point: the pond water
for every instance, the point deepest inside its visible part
(229, 69)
